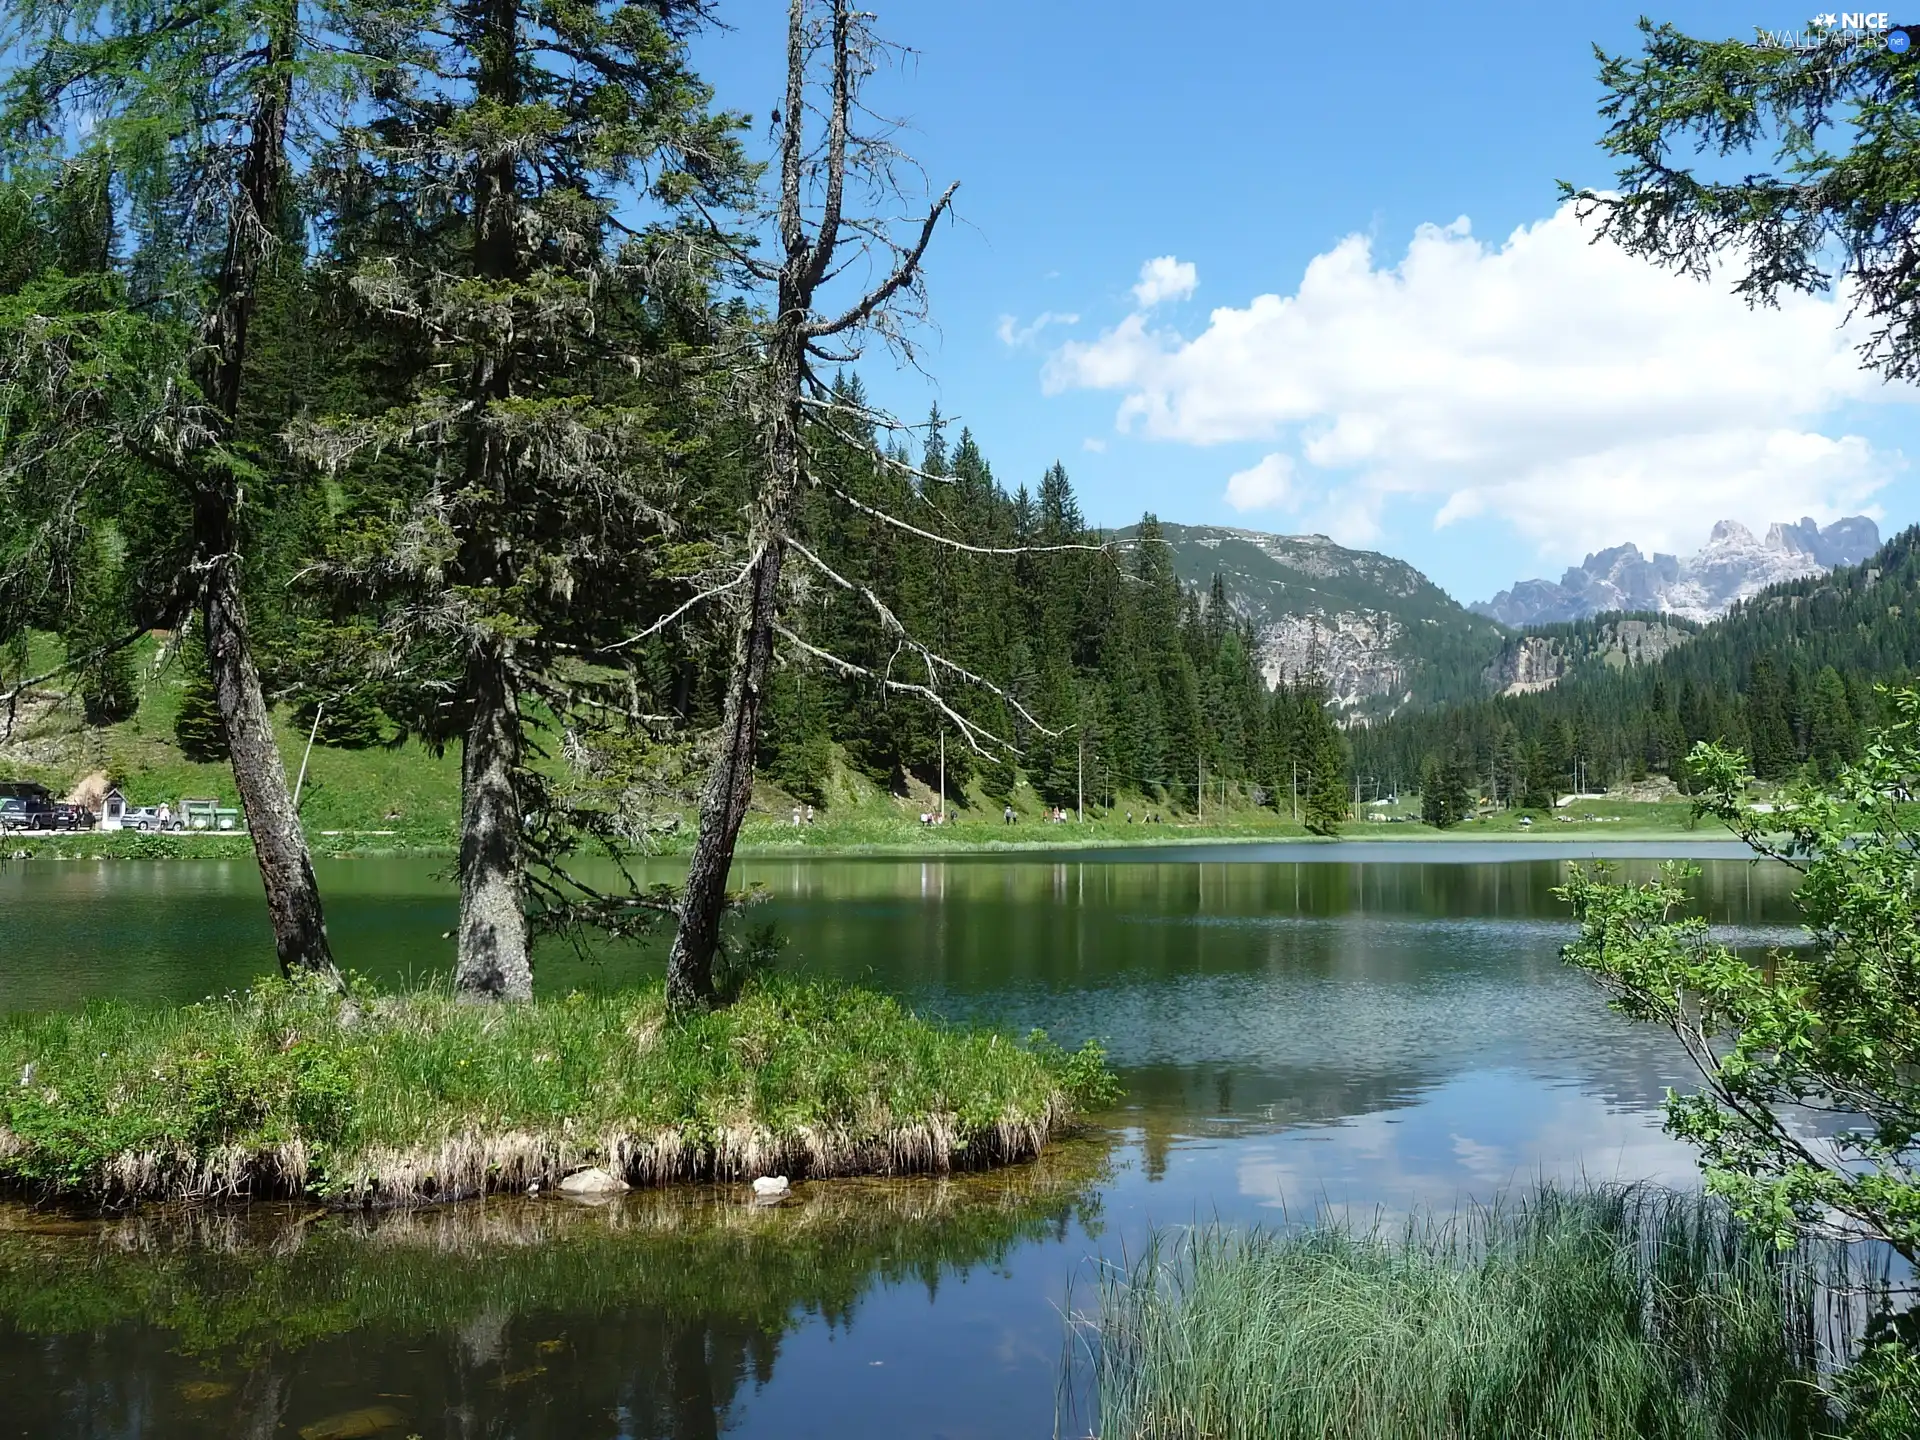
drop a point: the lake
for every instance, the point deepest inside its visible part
(1378, 1029)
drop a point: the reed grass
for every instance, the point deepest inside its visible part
(399, 1098)
(1611, 1313)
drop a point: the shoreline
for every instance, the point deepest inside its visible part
(229, 846)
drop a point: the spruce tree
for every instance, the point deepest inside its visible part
(197, 725)
(1833, 734)
(1769, 729)
(504, 215)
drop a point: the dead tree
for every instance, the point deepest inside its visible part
(830, 53)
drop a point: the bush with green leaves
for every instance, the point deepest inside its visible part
(1809, 1117)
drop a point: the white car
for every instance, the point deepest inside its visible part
(150, 817)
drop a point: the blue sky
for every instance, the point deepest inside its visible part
(1485, 406)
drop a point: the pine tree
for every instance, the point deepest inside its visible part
(1833, 733)
(1445, 794)
(1769, 730)
(197, 726)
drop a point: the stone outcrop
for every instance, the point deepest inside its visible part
(1732, 566)
(1370, 625)
(1539, 662)
(1355, 652)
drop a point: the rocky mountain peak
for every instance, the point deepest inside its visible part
(1730, 567)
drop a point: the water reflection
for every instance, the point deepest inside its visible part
(656, 1315)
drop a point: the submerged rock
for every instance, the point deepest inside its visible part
(592, 1181)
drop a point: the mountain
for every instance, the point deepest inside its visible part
(1731, 567)
(1381, 633)
(1544, 655)
(1789, 676)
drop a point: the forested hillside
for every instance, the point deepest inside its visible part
(1788, 676)
(1380, 633)
(1112, 670)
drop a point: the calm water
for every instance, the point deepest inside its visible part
(1381, 1028)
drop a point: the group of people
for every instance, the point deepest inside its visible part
(1055, 815)
(797, 815)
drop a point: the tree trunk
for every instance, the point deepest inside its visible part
(279, 843)
(729, 789)
(495, 961)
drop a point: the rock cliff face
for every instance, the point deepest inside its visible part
(1539, 662)
(1356, 651)
(1732, 566)
(1379, 631)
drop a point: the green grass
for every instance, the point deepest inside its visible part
(1611, 1313)
(405, 798)
(397, 1098)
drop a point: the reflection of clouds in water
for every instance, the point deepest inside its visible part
(1414, 1028)
(1474, 1138)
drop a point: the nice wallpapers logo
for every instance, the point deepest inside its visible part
(1838, 28)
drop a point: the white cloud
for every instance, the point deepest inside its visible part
(1267, 485)
(1094, 445)
(1586, 396)
(1164, 278)
(1013, 333)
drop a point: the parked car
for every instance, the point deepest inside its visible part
(26, 812)
(72, 817)
(149, 817)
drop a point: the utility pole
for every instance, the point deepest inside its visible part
(1200, 789)
(1080, 785)
(1296, 792)
(312, 735)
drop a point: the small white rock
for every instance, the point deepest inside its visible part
(592, 1181)
(770, 1187)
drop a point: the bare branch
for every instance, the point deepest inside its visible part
(967, 728)
(953, 544)
(664, 621)
(933, 660)
(827, 235)
(902, 276)
(792, 227)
